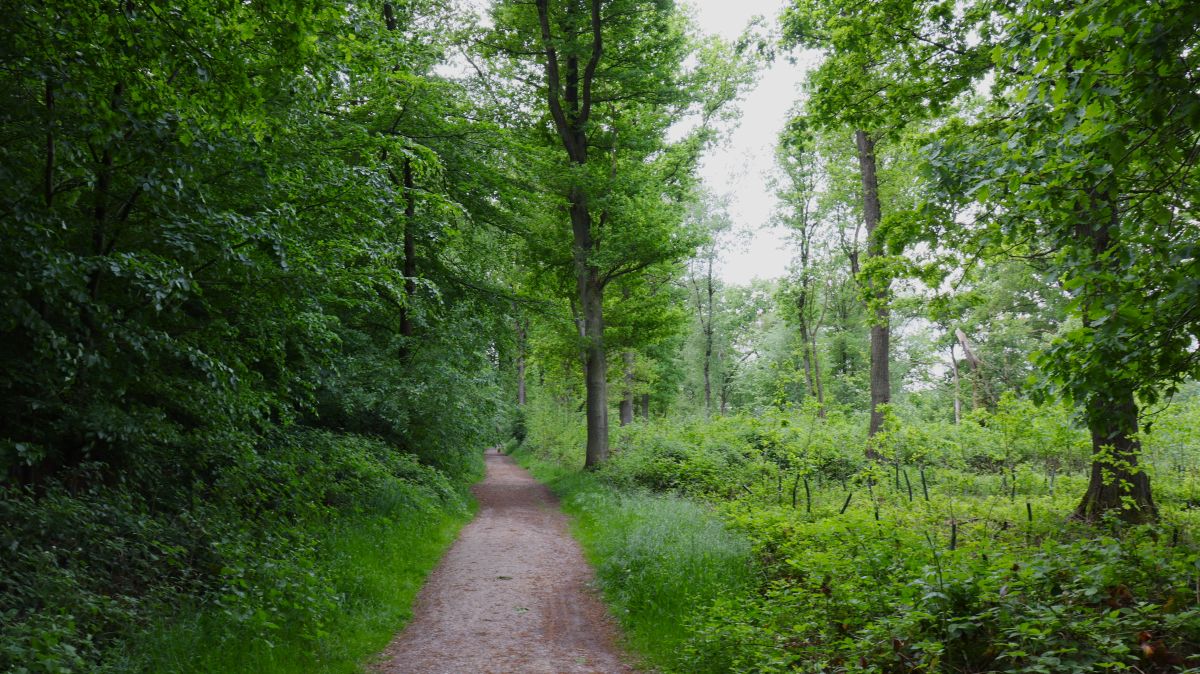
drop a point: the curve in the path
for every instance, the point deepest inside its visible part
(512, 594)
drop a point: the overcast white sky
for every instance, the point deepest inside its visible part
(741, 166)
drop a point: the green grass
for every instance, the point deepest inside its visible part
(658, 558)
(377, 564)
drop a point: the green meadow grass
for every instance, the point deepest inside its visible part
(658, 558)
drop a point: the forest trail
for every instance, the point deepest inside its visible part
(511, 595)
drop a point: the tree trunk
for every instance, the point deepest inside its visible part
(881, 387)
(979, 388)
(646, 406)
(627, 397)
(1116, 482)
(880, 378)
(957, 387)
(521, 380)
(596, 376)
(591, 301)
(817, 378)
(409, 263)
(708, 342)
(808, 364)
(1112, 413)
(104, 178)
(707, 383)
(570, 101)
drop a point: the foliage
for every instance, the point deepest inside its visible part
(656, 557)
(949, 553)
(261, 561)
(271, 270)
(246, 318)
(890, 600)
(1113, 136)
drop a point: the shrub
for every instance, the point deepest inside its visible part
(85, 571)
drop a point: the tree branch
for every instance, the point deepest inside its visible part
(552, 77)
(589, 72)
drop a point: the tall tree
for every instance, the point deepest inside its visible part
(798, 161)
(710, 216)
(888, 64)
(1087, 160)
(878, 287)
(611, 77)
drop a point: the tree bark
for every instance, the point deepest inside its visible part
(521, 381)
(1116, 481)
(817, 378)
(708, 341)
(591, 303)
(811, 386)
(627, 397)
(957, 386)
(408, 266)
(646, 406)
(725, 391)
(596, 368)
(881, 387)
(980, 396)
(571, 123)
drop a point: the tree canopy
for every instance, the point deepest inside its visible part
(274, 274)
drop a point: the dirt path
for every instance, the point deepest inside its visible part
(511, 595)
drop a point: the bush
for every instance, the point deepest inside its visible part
(655, 457)
(85, 572)
(887, 601)
(950, 553)
(518, 426)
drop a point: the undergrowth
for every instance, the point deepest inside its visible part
(374, 567)
(657, 557)
(951, 552)
(302, 556)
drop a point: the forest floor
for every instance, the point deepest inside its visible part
(513, 594)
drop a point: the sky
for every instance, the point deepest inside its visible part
(740, 167)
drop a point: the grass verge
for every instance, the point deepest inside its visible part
(658, 558)
(377, 564)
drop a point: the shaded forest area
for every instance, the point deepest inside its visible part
(276, 273)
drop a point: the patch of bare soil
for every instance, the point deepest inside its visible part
(511, 596)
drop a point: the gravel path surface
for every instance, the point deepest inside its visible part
(511, 596)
